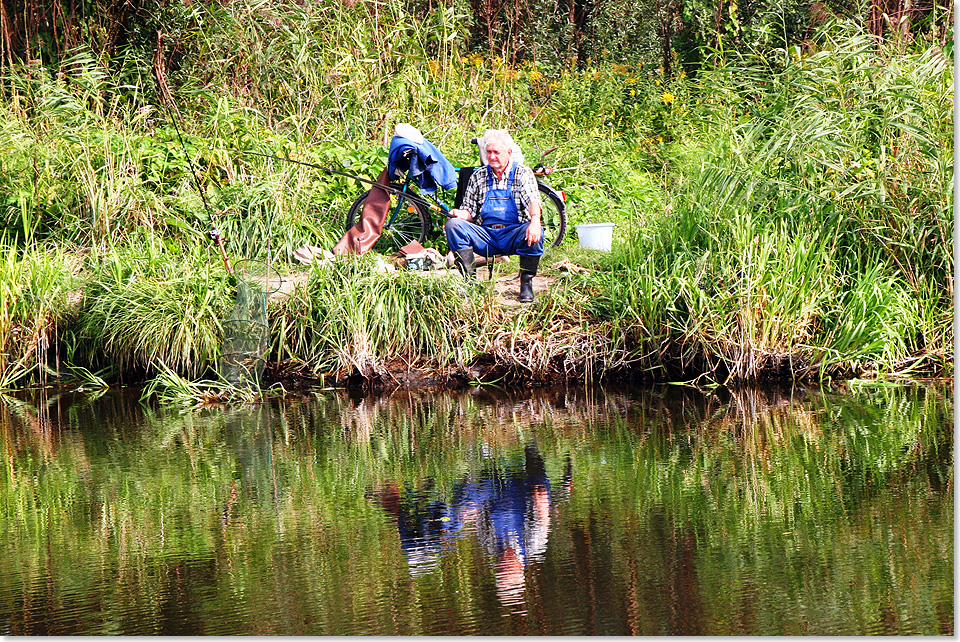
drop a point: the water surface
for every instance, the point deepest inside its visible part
(560, 512)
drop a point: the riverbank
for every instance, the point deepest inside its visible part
(782, 218)
(130, 314)
(500, 287)
(483, 335)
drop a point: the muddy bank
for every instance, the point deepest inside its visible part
(489, 369)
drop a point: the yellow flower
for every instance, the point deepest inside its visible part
(632, 92)
(658, 81)
(667, 97)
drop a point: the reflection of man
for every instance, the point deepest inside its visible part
(511, 512)
(500, 214)
(508, 506)
(423, 524)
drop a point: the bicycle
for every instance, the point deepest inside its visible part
(410, 218)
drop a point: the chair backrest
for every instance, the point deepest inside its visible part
(462, 180)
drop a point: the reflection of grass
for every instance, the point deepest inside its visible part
(170, 388)
(768, 487)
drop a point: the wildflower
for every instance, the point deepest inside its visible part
(630, 81)
(535, 76)
(633, 92)
(667, 97)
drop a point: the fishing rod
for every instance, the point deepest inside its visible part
(386, 188)
(167, 99)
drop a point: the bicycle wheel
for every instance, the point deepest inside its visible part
(554, 217)
(406, 221)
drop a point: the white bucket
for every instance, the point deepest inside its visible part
(596, 236)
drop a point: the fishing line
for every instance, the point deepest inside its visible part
(174, 115)
(246, 328)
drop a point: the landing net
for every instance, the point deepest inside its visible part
(246, 329)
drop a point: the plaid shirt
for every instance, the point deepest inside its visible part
(525, 191)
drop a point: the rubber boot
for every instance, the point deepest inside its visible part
(465, 263)
(528, 270)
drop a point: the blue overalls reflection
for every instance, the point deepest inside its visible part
(507, 505)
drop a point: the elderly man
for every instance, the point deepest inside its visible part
(500, 214)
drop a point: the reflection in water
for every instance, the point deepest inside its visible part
(417, 513)
(507, 505)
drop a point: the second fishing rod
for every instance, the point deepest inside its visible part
(387, 188)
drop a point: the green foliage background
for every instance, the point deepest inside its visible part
(780, 177)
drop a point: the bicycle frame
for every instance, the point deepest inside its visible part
(410, 218)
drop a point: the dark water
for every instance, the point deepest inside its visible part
(567, 512)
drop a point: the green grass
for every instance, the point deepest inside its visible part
(792, 211)
(144, 306)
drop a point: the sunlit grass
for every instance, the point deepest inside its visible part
(35, 304)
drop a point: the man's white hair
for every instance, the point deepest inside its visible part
(500, 136)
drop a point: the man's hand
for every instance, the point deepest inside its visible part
(461, 213)
(534, 230)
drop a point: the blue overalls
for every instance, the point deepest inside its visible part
(501, 232)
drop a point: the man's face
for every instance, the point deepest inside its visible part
(498, 157)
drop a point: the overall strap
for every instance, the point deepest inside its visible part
(510, 177)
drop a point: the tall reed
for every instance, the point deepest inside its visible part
(790, 240)
(37, 301)
(145, 306)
